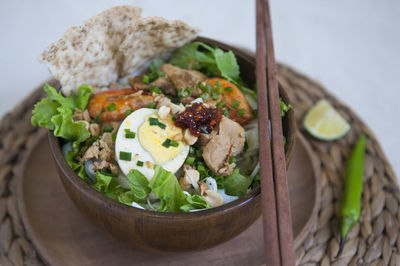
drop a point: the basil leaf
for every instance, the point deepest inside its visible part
(139, 184)
(237, 184)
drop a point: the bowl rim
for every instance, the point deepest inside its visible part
(126, 210)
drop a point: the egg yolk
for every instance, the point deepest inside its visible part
(153, 135)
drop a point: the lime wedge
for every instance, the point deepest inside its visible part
(323, 122)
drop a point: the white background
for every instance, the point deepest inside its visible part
(351, 47)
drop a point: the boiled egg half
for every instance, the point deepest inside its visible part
(144, 140)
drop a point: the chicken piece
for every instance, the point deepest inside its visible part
(189, 138)
(94, 129)
(162, 100)
(205, 138)
(163, 83)
(183, 79)
(213, 198)
(228, 142)
(190, 178)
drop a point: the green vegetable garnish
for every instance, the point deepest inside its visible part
(208, 88)
(220, 105)
(237, 184)
(129, 134)
(226, 113)
(194, 202)
(204, 96)
(214, 96)
(190, 160)
(151, 105)
(168, 143)
(235, 104)
(111, 107)
(155, 122)
(129, 111)
(174, 116)
(228, 89)
(146, 79)
(108, 129)
(232, 159)
(240, 112)
(155, 89)
(139, 163)
(126, 156)
(98, 117)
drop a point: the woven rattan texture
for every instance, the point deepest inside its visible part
(373, 241)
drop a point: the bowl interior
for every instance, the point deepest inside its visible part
(247, 67)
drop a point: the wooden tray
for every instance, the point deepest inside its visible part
(63, 236)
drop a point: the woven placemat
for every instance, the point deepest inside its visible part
(372, 241)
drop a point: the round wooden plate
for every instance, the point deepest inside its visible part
(63, 236)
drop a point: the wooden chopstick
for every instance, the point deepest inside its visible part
(269, 215)
(277, 160)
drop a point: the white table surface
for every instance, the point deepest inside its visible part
(351, 47)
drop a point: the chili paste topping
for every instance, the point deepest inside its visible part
(199, 119)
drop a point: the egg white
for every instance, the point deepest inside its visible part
(133, 122)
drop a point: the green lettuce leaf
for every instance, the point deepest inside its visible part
(103, 182)
(82, 99)
(166, 187)
(107, 185)
(194, 202)
(139, 185)
(55, 113)
(237, 184)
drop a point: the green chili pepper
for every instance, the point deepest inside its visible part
(350, 207)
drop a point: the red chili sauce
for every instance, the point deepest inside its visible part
(199, 119)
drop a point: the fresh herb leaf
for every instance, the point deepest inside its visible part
(194, 202)
(139, 185)
(237, 184)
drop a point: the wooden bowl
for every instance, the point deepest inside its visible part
(170, 232)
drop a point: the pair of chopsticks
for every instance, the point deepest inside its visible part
(278, 237)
